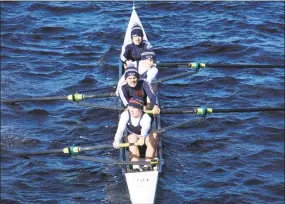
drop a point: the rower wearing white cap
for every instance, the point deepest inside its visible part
(146, 68)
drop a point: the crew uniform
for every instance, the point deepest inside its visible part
(142, 89)
(139, 126)
(147, 73)
(132, 51)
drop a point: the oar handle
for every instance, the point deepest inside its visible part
(128, 144)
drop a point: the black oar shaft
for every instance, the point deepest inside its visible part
(97, 147)
(233, 110)
(215, 65)
(111, 161)
(102, 107)
(177, 111)
(245, 65)
(103, 95)
(76, 149)
(74, 97)
(35, 99)
(173, 77)
(187, 122)
(204, 110)
(52, 151)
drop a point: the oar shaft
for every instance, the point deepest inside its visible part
(187, 122)
(97, 147)
(172, 77)
(233, 110)
(216, 65)
(115, 162)
(106, 146)
(102, 107)
(245, 65)
(52, 151)
(76, 149)
(202, 111)
(178, 111)
(35, 99)
(72, 97)
(103, 95)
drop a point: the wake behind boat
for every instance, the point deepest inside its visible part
(142, 185)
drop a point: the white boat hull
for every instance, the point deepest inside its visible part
(142, 186)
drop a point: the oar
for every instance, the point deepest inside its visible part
(73, 150)
(202, 110)
(117, 108)
(72, 97)
(116, 162)
(197, 65)
(172, 77)
(196, 110)
(186, 122)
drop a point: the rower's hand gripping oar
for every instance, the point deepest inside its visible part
(73, 97)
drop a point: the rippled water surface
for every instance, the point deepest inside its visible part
(59, 48)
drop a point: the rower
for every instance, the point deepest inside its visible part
(136, 87)
(146, 69)
(132, 51)
(138, 125)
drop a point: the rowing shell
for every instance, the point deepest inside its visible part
(142, 185)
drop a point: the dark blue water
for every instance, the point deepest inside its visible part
(58, 48)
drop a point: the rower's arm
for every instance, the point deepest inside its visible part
(124, 95)
(121, 126)
(145, 124)
(124, 53)
(149, 93)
